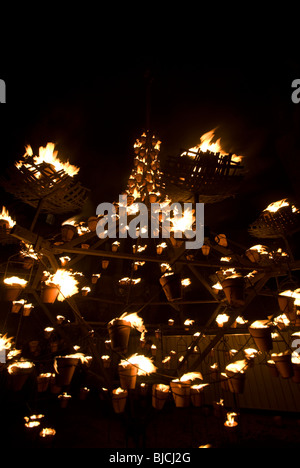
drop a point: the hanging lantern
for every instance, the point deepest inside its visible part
(205, 249)
(233, 287)
(13, 288)
(127, 373)
(283, 364)
(221, 240)
(68, 231)
(119, 398)
(261, 334)
(160, 394)
(119, 332)
(65, 368)
(171, 284)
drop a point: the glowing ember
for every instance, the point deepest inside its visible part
(66, 282)
(4, 215)
(49, 156)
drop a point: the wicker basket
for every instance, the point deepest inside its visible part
(275, 224)
(31, 183)
(211, 176)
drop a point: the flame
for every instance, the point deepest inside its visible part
(15, 280)
(237, 366)
(183, 223)
(275, 206)
(191, 376)
(82, 357)
(135, 321)
(294, 294)
(5, 215)
(162, 387)
(207, 143)
(13, 368)
(260, 248)
(230, 419)
(222, 318)
(47, 432)
(259, 324)
(66, 282)
(186, 282)
(145, 365)
(250, 352)
(49, 156)
(118, 391)
(189, 322)
(5, 343)
(28, 251)
(126, 280)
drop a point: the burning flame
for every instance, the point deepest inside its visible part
(183, 223)
(222, 318)
(230, 419)
(13, 368)
(5, 343)
(275, 206)
(49, 156)
(207, 143)
(145, 365)
(118, 391)
(191, 376)
(82, 357)
(259, 324)
(186, 282)
(15, 280)
(162, 387)
(135, 321)
(5, 216)
(126, 281)
(66, 282)
(237, 366)
(294, 294)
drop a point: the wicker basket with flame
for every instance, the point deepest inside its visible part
(45, 177)
(205, 170)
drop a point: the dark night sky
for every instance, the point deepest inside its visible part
(94, 107)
